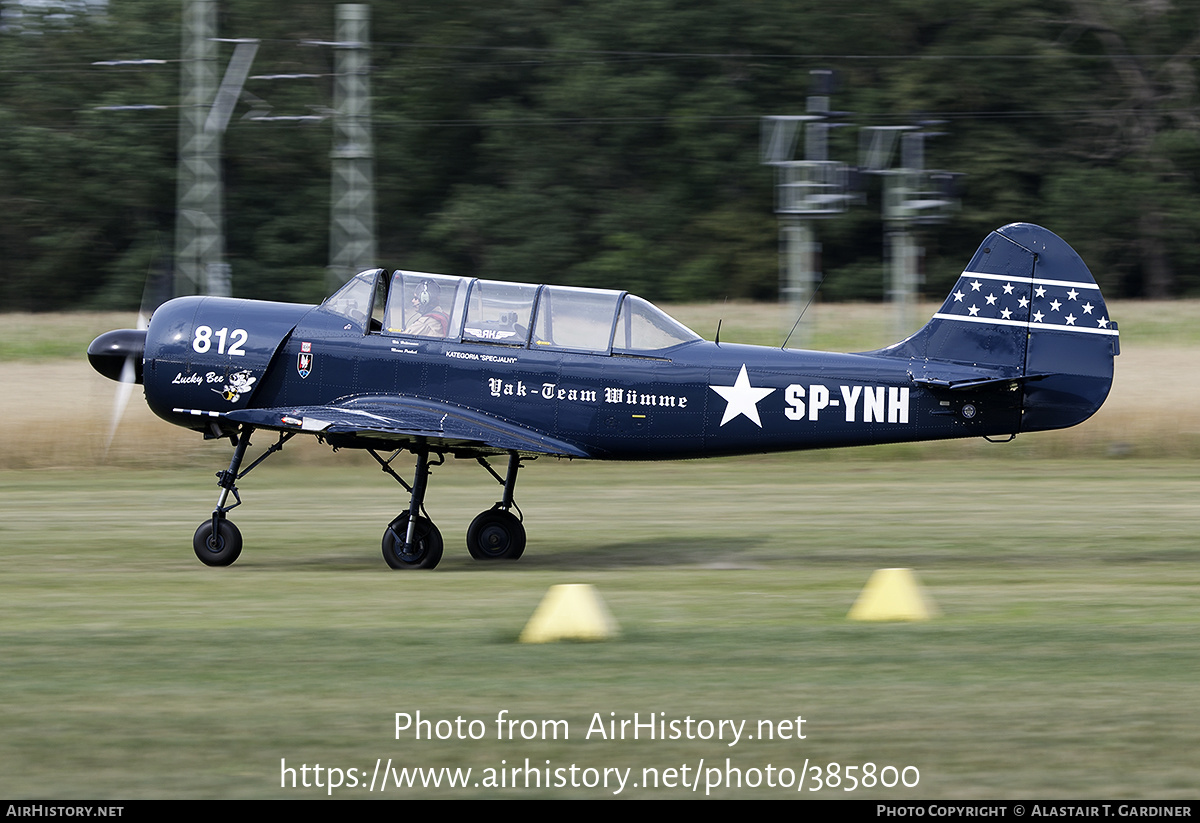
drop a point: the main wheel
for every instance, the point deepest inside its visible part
(218, 549)
(427, 544)
(496, 535)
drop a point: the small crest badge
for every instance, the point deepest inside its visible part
(304, 364)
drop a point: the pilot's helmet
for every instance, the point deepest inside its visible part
(427, 295)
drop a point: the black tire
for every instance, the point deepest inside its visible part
(496, 535)
(220, 549)
(426, 553)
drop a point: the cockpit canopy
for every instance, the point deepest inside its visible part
(466, 309)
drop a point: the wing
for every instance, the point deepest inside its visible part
(398, 422)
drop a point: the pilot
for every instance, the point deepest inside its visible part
(431, 319)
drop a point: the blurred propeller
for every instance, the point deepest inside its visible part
(131, 375)
(119, 354)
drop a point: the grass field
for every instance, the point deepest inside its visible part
(1064, 663)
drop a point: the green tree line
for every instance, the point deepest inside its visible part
(609, 144)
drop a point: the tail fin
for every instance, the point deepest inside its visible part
(1025, 314)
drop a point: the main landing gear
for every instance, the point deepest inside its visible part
(497, 534)
(411, 541)
(414, 542)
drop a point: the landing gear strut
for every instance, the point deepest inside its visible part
(497, 534)
(218, 542)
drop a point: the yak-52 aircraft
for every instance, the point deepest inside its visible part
(439, 365)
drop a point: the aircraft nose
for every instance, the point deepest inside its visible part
(109, 353)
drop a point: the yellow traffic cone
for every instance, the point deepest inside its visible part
(572, 611)
(892, 594)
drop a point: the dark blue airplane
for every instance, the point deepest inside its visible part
(439, 365)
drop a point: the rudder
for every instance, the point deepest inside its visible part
(1071, 338)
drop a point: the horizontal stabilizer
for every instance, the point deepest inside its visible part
(976, 383)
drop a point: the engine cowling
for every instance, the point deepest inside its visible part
(208, 355)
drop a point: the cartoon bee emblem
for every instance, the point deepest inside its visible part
(239, 384)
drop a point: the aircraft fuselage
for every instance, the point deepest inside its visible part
(694, 400)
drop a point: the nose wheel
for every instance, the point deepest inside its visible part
(220, 547)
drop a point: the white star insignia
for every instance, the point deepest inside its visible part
(974, 310)
(958, 296)
(741, 398)
(1008, 289)
(1037, 317)
(1023, 302)
(1039, 291)
(991, 299)
(975, 285)
(1070, 320)
(1072, 294)
(1006, 314)
(1087, 308)
(1102, 322)
(1055, 305)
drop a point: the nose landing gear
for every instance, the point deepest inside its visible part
(217, 541)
